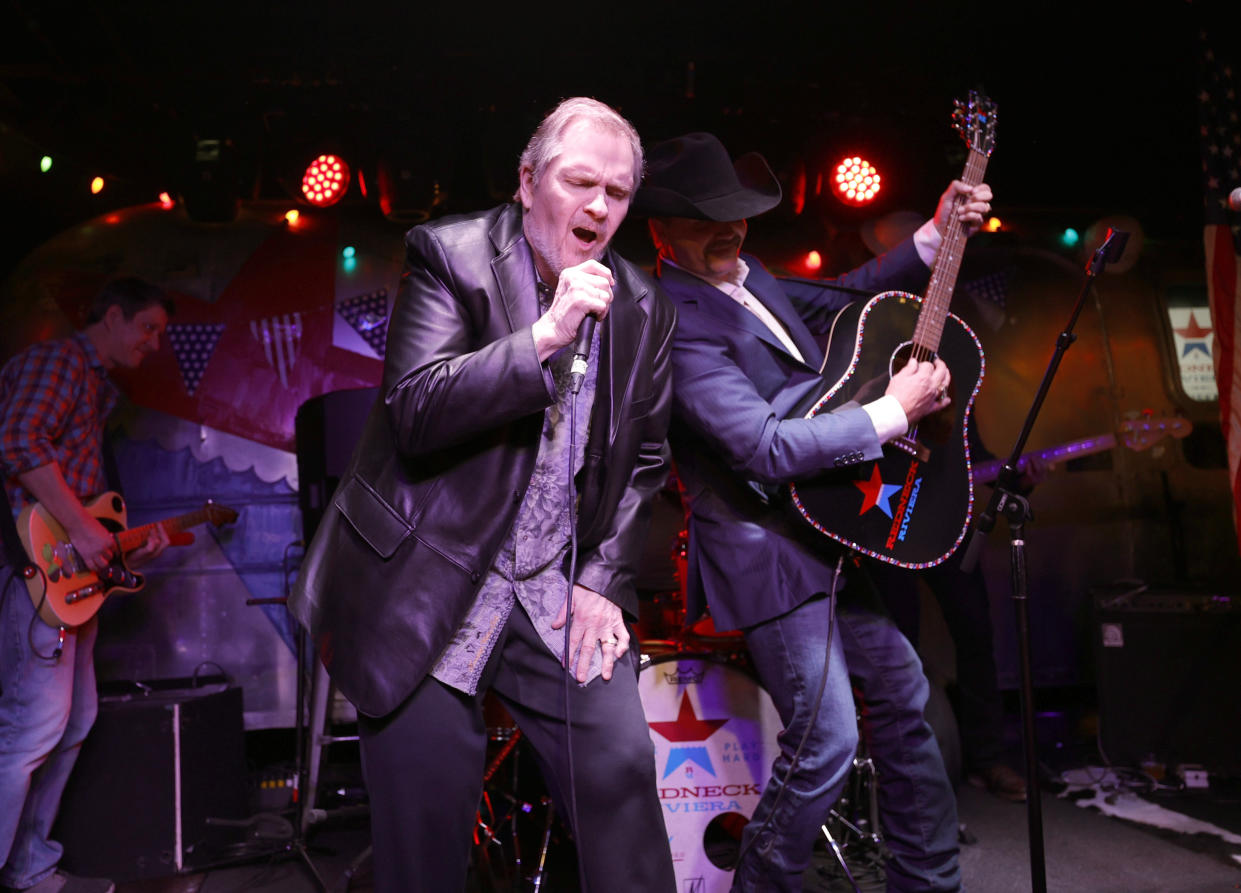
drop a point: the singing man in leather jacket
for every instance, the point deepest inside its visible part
(439, 570)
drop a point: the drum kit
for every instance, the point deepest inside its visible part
(715, 734)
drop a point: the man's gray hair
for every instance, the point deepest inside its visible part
(545, 144)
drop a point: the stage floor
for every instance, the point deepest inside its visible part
(1100, 834)
(1085, 850)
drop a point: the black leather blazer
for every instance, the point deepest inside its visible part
(448, 450)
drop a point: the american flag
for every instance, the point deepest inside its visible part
(1221, 161)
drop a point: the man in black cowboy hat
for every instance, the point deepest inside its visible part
(744, 354)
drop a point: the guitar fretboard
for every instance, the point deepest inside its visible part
(930, 326)
(985, 472)
(135, 536)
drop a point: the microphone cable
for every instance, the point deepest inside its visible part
(569, 678)
(814, 713)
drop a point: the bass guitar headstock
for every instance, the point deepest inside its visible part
(974, 118)
(219, 514)
(1148, 429)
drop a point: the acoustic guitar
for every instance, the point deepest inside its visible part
(911, 507)
(64, 590)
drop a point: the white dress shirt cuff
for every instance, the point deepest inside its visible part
(888, 417)
(927, 241)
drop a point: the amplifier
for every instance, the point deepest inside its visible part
(152, 771)
(1168, 674)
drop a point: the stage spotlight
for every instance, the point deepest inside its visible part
(45, 163)
(325, 180)
(856, 181)
(96, 185)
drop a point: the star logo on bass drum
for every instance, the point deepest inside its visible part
(687, 727)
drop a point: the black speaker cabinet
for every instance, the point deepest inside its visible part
(1168, 670)
(150, 774)
(326, 428)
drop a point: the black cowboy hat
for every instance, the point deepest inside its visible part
(693, 176)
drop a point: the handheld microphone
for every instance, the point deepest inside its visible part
(581, 351)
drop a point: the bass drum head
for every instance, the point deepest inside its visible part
(715, 734)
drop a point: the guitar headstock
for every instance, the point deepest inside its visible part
(1147, 430)
(219, 514)
(974, 119)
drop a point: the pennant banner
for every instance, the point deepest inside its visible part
(990, 296)
(993, 288)
(192, 345)
(281, 337)
(368, 315)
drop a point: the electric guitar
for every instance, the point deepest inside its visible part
(911, 507)
(1137, 434)
(64, 590)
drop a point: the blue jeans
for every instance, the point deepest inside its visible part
(966, 607)
(916, 801)
(47, 706)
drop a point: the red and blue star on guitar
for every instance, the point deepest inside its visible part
(877, 494)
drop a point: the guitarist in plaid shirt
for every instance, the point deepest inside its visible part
(55, 397)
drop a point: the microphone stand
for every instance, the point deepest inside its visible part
(1007, 502)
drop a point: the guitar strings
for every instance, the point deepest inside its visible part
(975, 167)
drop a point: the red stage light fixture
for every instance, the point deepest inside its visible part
(325, 180)
(813, 261)
(856, 181)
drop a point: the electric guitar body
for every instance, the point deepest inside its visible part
(65, 592)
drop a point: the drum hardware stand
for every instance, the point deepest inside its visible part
(487, 834)
(304, 751)
(1006, 501)
(536, 881)
(309, 741)
(861, 791)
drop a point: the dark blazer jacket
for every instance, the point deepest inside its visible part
(734, 446)
(448, 450)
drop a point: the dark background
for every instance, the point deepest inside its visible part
(1097, 102)
(1098, 118)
